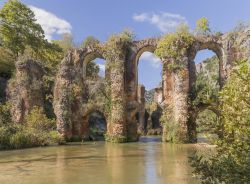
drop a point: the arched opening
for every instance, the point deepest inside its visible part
(205, 93)
(149, 94)
(96, 82)
(94, 121)
(97, 125)
(96, 68)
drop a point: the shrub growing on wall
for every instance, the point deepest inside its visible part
(174, 45)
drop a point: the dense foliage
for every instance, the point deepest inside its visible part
(37, 130)
(206, 89)
(174, 45)
(7, 63)
(18, 28)
(204, 97)
(231, 162)
(20, 33)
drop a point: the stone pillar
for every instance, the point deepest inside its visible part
(181, 91)
(26, 90)
(168, 83)
(69, 97)
(141, 110)
(116, 128)
(175, 108)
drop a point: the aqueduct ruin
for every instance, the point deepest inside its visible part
(71, 94)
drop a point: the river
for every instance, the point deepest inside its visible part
(148, 161)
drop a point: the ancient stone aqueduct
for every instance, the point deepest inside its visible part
(71, 94)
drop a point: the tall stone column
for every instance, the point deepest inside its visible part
(175, 110)
(181, 91)
(69, 97)
(168, 84)
(116, 130)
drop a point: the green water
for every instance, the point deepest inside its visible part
(144, 162)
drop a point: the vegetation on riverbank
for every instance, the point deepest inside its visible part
(37, 130)
(231, 162)
(39, 127)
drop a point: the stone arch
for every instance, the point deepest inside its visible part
(70, 96)
(210, 107)
(134, 99)
(71, 92)
(85, 127)
(211, 43)
(137, 49)
(90, 53)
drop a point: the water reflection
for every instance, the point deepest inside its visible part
(146, 162)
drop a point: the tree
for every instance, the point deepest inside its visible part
(231, 161)
(92, 70)
(18, 28)
(66, 42)
(202, 26)
(7, 63)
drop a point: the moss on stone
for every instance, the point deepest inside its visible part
(115, 138)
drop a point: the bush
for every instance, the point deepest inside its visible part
(55, 137)
(37, 130)
(116, 138)
(5, 116)
(37, 119)
(20, 140)
(174, 45)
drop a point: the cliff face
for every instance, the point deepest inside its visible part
(149, 95)
(209, 66)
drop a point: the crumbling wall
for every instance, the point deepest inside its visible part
(26, 90)
(71, 95)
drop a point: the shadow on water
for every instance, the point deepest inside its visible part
(146, 139)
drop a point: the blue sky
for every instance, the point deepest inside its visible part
(146, 18)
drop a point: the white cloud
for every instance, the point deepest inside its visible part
(102, 67)
(164, 21)
(154, 61)
(50, 23)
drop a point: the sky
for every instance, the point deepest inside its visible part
(146, 18)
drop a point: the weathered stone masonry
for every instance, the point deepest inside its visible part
(123, 77)
(71, 94)
(25, 90)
